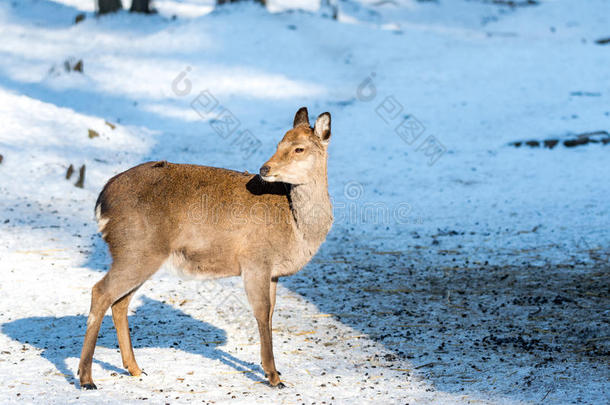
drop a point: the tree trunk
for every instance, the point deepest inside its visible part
(140, 6)
(108, 6)
(329, 9)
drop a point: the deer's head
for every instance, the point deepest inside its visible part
(301, 155)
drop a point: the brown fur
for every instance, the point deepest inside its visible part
(209, 222)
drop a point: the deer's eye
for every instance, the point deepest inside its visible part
(299, 150)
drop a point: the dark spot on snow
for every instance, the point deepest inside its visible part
(518, 342)
(550, 143)
(344, 103)
(602, 137)
(515, 3)
(585, 94)
(560, 300)
(603, 41)
(80, 183)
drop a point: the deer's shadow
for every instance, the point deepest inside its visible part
(154, 324)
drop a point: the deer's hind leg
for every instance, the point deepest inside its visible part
(122, 279)
(121, 324)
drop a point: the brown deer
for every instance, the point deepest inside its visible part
(209, 223)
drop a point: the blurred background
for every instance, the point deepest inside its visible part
(468, 170)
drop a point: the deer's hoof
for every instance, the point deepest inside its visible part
(280, 385)
(135, 371)
(89, 386)
(274, 378)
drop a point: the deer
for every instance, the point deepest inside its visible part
(207, 222)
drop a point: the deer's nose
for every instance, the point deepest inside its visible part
(264, 170)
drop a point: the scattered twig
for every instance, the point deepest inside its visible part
(546, 395)
(431, 364)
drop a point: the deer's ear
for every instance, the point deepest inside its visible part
(301, 117)
(322, 127)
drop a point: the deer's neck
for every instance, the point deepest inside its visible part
(312, 210)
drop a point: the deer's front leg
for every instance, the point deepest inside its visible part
(272, 294)
(258, 289)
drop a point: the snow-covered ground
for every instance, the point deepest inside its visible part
(460, 269)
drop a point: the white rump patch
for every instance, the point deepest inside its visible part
(101, 222)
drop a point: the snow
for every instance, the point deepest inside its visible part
(476, 275)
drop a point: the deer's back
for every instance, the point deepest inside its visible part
(204, 219)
